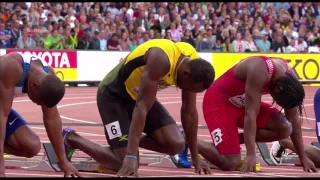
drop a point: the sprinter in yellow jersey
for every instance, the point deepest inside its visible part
(127, 104)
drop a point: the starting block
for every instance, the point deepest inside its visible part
(48, 161)
(290, 159)
(258, 168)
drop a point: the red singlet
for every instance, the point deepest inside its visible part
(223, 109)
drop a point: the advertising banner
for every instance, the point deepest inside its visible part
(63, 62)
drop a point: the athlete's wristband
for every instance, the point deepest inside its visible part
(130, 156)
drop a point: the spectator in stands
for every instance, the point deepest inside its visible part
(95, 41)
(113, 43)
(291, 48)
(141, 21)
(124, 41)
(145, 38)
(175, 33)
(125, 17)
(48, 21)
(249, 45)
(133, 45)
(5, 36)
(35, 35)
(156, 26)
(55, 40)
(3, 7)
(165, 24)
(103, 41)
(46, 41)
(113, 10)
(15, 33)
(151, 19)
(278, 45)
(238, 44)
(84, 42)
(301, 44)
(227, 46)
(205, 43)
(264, 44)
(97, 7)
(217, 46)
(188, 38)
(91, 16)
(6, 15)
(69, 42)
(25, 41)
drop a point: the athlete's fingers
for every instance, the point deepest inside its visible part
(208, 170)
(244, 168)
(120, 172)
(254, 168)
(78, 174)
(128, 173)
(135, 174)
(67, 175)
(314, 169)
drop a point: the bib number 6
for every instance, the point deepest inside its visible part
(113, 129)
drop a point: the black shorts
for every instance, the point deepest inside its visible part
(116, 115)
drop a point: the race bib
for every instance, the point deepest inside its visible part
(113, 130)
(216, 136)
(238, 100)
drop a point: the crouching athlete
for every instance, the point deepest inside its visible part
(19, 75)
(279, 148)
(127, 104)
(234, 101)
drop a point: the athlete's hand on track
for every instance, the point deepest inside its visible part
(308, 166)
(69, 170)
(129, 168)
(249, 164)
(201, 165)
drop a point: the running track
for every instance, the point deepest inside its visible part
(78, 106)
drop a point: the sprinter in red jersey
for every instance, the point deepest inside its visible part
(234, 101)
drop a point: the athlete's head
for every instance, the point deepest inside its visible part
(196, 75)
(288, 92)
(48, 92)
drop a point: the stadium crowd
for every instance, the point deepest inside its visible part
(279, 27)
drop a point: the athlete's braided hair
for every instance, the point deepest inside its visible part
(288, 92)
(52, 90)
(201, 70)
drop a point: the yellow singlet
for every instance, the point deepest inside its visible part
(124, 79)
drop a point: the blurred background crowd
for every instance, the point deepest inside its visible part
(278, 27)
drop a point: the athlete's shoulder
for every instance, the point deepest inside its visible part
(10, 66)
(187, 50)
(169, 47)
(161, 43)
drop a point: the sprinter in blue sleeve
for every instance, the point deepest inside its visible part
(278, 149)
(30, 75)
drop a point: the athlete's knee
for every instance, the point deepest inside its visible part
(175, 146)
(283, 126)
(230, 163)
(32, 149)
(285, 130)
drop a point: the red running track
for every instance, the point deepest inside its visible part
(78, 106)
